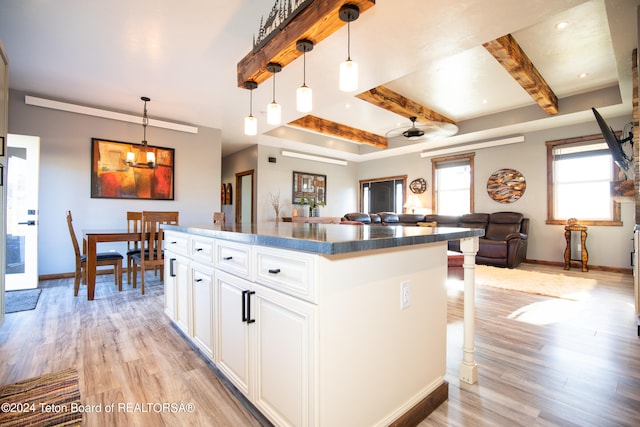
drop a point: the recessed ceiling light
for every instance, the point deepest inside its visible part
(583, 75)
(562, 25)
(347, 106)
(484, 101)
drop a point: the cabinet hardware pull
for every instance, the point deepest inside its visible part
(172, 273)
(249, 319)
(198, 249)
(244, 305)
(174, 243)
(198, 280)
(227, 258)
(274, 270)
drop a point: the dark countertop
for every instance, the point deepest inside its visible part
(328, 238)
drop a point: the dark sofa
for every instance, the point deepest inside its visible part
(504, 243)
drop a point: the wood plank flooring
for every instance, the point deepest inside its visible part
(541, 361)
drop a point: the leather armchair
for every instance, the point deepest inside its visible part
(505, 240)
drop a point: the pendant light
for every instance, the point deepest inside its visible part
(250, 122)
(304, 94)
(274, 110)
(148, 156)
(349, 69)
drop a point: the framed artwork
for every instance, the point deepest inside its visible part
(112, 178)
(506, 185)
(310, 187)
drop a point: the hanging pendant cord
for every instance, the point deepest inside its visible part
(251, 103)
(304, 68)
(349, 41)
(274, 88)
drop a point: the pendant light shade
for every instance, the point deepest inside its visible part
(274, 110)
(349, 69)
(304, 94)
(250, 122)
(349, 76)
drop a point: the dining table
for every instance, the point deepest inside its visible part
(91, 238)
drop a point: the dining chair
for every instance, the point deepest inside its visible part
(134, 225)
(151, 255)
(113, 259)
(219, 218)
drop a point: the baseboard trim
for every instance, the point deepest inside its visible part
(591, 267)
(426, 406)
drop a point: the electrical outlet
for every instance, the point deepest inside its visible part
(405, 295)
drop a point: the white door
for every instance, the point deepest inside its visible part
(23, 164)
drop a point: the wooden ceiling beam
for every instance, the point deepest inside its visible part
(384, 97)
(316, 22)
(327, 127)
(510, 55)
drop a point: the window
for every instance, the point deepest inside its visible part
(580, 171)
(383, 194)
(452, 179)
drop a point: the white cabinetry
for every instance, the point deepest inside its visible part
(312, 339)
(202, 294)
(266, 348)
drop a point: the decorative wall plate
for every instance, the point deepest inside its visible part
(506, 185)
(418, 186)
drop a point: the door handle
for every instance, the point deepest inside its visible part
(30, 222)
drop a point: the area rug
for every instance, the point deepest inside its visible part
(23, 300)
(47, 400)
(533, 282)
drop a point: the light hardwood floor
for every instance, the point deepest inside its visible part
(541, 361)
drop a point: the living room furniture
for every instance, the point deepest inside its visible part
(571, 231)
(503, 245)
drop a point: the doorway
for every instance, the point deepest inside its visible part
(23, 166)
(244, 198)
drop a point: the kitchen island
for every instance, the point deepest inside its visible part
(322, 324)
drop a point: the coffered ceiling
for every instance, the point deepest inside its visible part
(456, 62)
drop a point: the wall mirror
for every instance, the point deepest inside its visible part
(310, 187)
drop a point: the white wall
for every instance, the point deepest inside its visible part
(341, 191)
(65, 158)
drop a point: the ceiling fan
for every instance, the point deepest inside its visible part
(421, 131)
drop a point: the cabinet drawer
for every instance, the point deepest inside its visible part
(234, 258)
(289, 272)
(202, 249)
(176, 242)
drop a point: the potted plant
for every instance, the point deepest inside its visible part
(305, 209)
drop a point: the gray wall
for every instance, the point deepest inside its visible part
(65, 156)
(607, 246)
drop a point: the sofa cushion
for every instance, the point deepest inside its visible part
(410, 219)
(442, 220)
(389, 217)
(359, 217)
(502, 224)
(474, 220)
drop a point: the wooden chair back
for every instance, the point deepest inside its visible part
(134, 225)
(74, 239)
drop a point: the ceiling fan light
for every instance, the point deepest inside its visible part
(349, 76)
(274, 113)
(304, 99)
(250, 125)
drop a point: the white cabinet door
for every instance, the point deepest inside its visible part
(202, 294)
(283, 354)
(232, 333)
(179, 275)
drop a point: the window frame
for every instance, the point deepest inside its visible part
(615, 209)
(447, 159)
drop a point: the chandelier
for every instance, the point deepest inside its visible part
(144, 153)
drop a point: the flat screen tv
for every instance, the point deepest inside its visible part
(615, 145)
